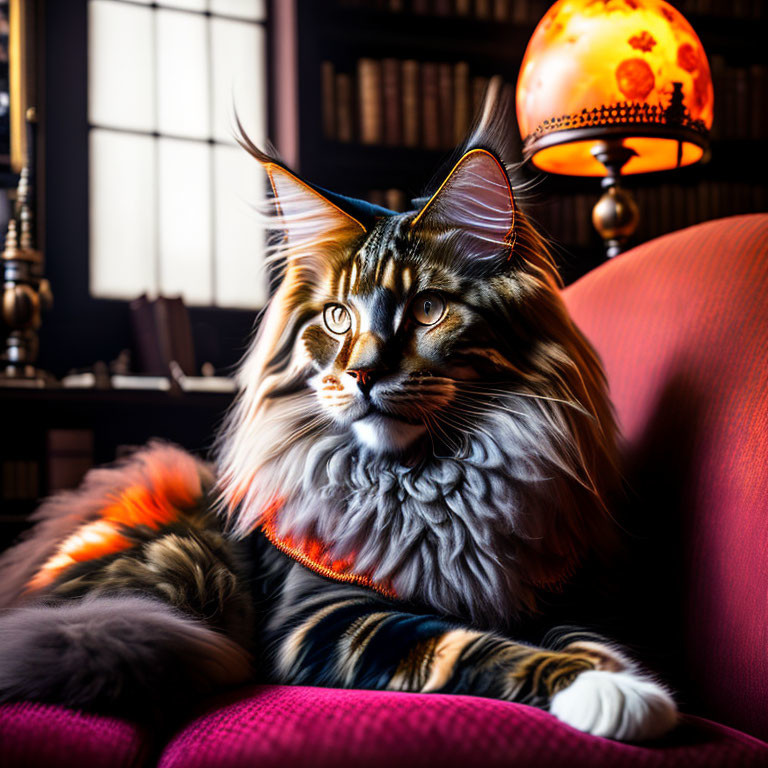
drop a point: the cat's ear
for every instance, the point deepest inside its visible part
(315, 228)
(306, 216)
(476, 206)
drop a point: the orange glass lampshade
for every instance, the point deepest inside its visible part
(631, 70)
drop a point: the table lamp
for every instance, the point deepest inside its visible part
(610, 88)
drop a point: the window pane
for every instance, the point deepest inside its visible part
(184, 213)
(122, 215)
(238, 78)
(190, 5)
(182, 74)
(240, 274)
(243, 9)
(121, 81)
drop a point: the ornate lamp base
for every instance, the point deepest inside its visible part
(615, 214)
(24, 292)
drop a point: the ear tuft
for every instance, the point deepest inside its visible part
(477, 203)
(314, 226)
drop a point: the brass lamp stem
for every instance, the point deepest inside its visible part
(615, 214)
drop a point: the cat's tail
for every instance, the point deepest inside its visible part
(131, 655)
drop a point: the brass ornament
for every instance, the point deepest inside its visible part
(25, 292)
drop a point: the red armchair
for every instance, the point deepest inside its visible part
(681, 324)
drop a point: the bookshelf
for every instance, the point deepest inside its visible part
(56, 435)
(356, 59)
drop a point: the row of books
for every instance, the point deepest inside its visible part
(740, 101)
(531, 11)
(397, 103)
(19, 480)
(432, 104)
(564, 219)
(669, 207)
(68, 456)
(567, 219)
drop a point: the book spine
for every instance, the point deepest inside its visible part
(520, 12)
(742, 99)
(410, 92)
(757, 88)
(462, 114)
(393, 123)
(429, 106)
(483, 9)
(394, 199)
(717, 69)
(344, 109)
(369, 100)
(329, 100)
(445, 104)
(501, 10)
(69, 455)
(479, 86)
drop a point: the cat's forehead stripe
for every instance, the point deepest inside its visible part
(406, 278)
(388, 277)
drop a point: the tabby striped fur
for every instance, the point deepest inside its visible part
(442, 475)
(126, 596)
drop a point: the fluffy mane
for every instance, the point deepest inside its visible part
(510, 496)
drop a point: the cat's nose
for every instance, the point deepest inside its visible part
(365, 377)
(366, 361)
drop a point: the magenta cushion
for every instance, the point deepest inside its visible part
(681, 324)
(42, 736)
(328, 728)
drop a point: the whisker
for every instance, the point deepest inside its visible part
(473, 425)
(460, 450)
(507, 393)
(483, 409)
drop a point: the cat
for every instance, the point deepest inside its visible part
(422, 447)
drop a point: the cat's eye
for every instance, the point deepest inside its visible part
(336, 318)
(428, 308)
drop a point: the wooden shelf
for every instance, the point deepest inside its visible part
(357, 168)
(351, 34)
(59, 396)
(112, 420)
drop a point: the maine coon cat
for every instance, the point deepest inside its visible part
(421, 448)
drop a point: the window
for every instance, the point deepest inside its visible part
(171, 193)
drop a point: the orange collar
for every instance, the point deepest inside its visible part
(314, 554)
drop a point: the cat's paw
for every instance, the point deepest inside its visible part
(616, 705)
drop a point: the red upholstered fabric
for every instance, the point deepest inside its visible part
(681, 324)
(325, 728)
(41, 736)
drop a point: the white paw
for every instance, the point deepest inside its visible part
(616, 705)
